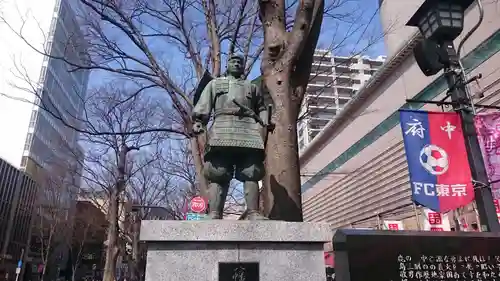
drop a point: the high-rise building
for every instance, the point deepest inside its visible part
(37, 138)
(334, 80)
(37, 92)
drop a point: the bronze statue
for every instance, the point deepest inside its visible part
(236, 139)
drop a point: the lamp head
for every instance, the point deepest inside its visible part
(440, 20)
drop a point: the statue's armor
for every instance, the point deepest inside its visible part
(235, 146)
(232, 126)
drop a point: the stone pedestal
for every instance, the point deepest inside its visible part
(195, 250)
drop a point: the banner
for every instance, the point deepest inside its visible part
(440, 176)
(435, 221)
(497, 208)
(488, 133)
(393, 225)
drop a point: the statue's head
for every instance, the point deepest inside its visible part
(236, 65)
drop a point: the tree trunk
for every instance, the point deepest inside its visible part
(112, 247)
(281, 194)
(136, 226)
(197, 146)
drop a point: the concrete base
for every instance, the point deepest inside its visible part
(192, 250)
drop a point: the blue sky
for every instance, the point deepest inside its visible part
(356, 32)
(366, 24)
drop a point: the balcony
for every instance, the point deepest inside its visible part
(321, 79)
(318, 91)
(345, 92)
(318, 124)
(346, 72)
(322, 57)
(323, 116)
(343, 102)
(322, 68)
(315, 108)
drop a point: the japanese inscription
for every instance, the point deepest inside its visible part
(416, 255)
(441, 190)
(238, 271)
(448, 267)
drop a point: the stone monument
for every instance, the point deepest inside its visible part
(416, 255)
(222, 250)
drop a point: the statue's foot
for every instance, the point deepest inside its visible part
(214, 216)
(255, 216)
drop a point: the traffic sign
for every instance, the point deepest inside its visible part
(198, 204)
(195, 216)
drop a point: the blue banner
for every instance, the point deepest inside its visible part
(440, 176)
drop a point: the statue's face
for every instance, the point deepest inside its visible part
(235, 66)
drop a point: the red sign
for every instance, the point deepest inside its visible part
(435, 218)
(437, 229)
(497, 206)
(329, 259)
(393, 226)
(198, 204)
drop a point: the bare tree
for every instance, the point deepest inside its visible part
(152, 195)
(109, 162)
(88, 235)
(53, 223)
(165, 45)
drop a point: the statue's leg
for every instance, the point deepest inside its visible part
(250, 172)
(219, 174)
(217, 199)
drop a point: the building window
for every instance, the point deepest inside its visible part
(29, 139)
(33, 118)
(24, 161)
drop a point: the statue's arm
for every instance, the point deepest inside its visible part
(203, 108)
(260, 105)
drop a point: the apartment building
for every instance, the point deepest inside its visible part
(334, 80)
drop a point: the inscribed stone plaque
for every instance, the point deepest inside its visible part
(238, 271)
(362, 255)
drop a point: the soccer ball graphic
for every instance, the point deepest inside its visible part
(434, 159)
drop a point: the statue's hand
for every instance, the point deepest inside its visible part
(270, 127)
(198, 128)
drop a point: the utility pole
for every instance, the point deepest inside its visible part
(462, 104)
(437, 52)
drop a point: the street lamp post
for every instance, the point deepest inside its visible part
(440, 22)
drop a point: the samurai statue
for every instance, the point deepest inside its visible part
(236, 138)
